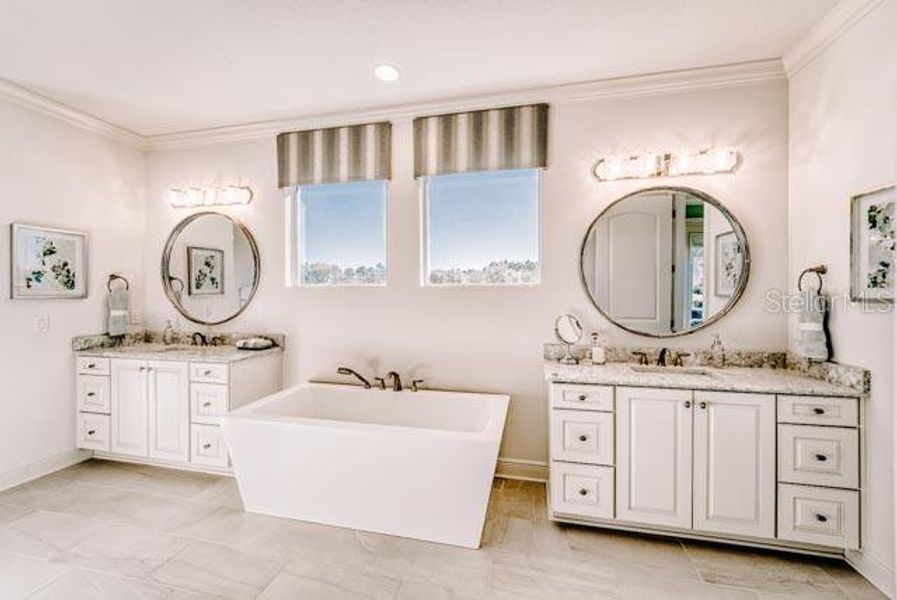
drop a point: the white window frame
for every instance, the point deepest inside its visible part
(425, 248)
(293, 255)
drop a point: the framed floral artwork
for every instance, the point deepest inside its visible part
(206, 270)
(872, 245)
(729, 261)
(47, 263)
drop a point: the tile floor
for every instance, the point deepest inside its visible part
(109, 530)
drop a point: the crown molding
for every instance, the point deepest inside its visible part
(838, 21)
(671, 82)
(22, 96)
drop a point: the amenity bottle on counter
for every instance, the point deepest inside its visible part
(598, 351)
(717, 352)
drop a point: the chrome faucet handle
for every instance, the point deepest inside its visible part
(396, 381)
(677, 358)
(415, 385)
(642, 357)
(381, 382)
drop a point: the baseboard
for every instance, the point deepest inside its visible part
(879, 574)
(44, 466)
(518, 468)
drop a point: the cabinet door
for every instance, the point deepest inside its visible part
(129, 407)
(735, 465)
(654, 428)
(169, 411)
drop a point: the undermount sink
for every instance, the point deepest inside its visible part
(670, 370)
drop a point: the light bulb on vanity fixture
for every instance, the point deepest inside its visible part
(219, 195)
(670, 164)
(386, 72)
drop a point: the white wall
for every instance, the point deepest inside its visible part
(490, 339)
(843, 140)
(55, 174)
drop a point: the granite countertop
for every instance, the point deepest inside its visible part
(732, 379)
(219, 354)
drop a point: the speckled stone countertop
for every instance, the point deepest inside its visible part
(730, 379)
(216, 354)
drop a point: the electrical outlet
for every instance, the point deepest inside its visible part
(42, 324)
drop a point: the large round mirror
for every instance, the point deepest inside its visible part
(210, 268)
(665, 261)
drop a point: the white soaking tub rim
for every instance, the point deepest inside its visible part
(496, 405)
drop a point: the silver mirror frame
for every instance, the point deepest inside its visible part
(173, 295)
(736, 226)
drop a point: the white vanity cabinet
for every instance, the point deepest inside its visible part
(749, 467)
(166, 411)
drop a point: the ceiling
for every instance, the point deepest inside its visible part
(164, 66)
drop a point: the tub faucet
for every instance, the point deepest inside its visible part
(395, 381)
(348, 371)
(662, 357)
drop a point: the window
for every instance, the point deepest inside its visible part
(338, 234)
(482, 228)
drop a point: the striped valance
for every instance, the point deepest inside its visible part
(482, 140)
(334, 155)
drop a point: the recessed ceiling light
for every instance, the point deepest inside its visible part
(386, 72)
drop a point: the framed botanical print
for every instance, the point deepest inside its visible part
(206, 269)
(47, 263)
(872, 245)
(728, 262)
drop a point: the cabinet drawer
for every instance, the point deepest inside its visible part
(810, 410)
(819, 516)
(208, 401)
(826, 456)
(580, 436)
(207, 446)
(208, 372)
(92, 365)
(583, 397)
(582, 490)
(92, 431)
(93, 393)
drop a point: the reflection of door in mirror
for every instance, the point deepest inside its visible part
(633, 264)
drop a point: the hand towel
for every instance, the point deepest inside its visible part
(812, 337)
(119, 322)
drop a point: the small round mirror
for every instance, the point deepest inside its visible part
(568, 331)
(665, 261)
(210, 268)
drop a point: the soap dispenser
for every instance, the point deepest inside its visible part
(717, 352)
(598, 349)
(168, 334)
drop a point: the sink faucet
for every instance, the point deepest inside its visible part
(199, 339)
(348, 371)
(662, 357)
(395, 381)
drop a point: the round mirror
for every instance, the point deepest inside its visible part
(568, 330)
(210, 268)
(665, 261)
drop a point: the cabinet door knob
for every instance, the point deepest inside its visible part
(703, 405)
(819, 411)
(583, 492)
(92, 432)
(206, 446)
(206, 404)
(583, 438)
(821, 518)
(688, 404)
(142, 368)
(821, 457)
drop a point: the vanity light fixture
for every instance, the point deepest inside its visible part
(671, 164)
(386, 72)
(223, 195)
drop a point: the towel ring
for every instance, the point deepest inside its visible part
(113, 277)
(818, 270)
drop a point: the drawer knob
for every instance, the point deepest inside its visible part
(688, 404)
(206, 446)
(703, 405)
(91, 394)
(207, 372)
(821, 457)
(821, 518)
(92, 432)
(92, 365)
(582, 398)
(819, 411)
(583, 492)
(583, 438)
(206, 404)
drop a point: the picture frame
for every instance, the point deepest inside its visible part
(873, 236)
(205, 268)
(47, 263)
(728, 264)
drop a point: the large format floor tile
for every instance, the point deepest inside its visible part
(106, 530)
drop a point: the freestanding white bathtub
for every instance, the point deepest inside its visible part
(412, 464)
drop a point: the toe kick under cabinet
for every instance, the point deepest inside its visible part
(778, 470)
(166, 411)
